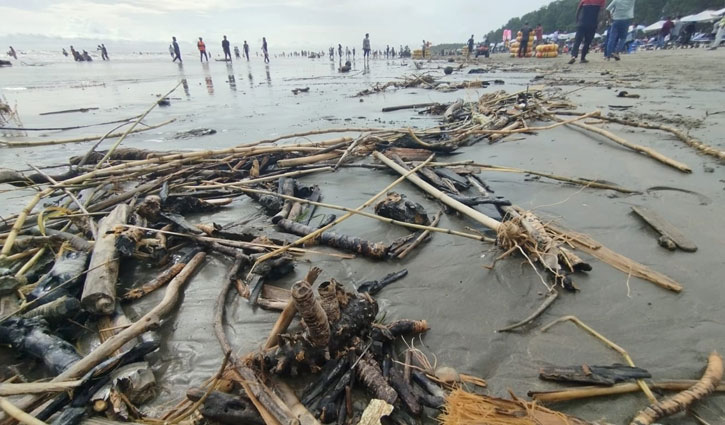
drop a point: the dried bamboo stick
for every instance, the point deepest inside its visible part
(32, 143)
(578, 393)
(7, 389)
(133, 126)
(18, 413)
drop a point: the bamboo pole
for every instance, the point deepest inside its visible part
(339, 220)
(7, 389)
(18, 414)
(33, 143)
(458, 206)
(578, 393)
(133, 126)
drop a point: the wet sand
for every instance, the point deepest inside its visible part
(668, 334)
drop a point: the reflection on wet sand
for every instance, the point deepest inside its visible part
(207, 78)
(184, 82)
(269, 79)
(230, 77)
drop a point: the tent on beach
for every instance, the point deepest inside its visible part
(654, 27)
(704, 16)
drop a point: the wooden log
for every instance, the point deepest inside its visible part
(397, 207)
(669, 232)
(405, 392)
(328, 300)
(61, 279)
(32, 337)
(99, 291)
(155, 283)
(371, 375)
(681, 401)
(56, 310)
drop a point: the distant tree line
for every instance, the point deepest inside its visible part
(560, 14)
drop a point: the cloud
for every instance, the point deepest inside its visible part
(287, 24)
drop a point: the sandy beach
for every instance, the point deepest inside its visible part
(448, 283)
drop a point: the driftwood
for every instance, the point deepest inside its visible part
(681, 401)
(56, 310)
(548, 301)
(405, 391)
(586, 374)
(348, 243)
(397, 207)
(99, 291)
(31, 336)
(154, 284)
(372, 377)
(61, 279)
(372, 287)
(671, 237)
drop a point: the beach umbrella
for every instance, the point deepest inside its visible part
(654, 27)
(704, 16)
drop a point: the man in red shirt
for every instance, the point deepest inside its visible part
(587, 18)
(664, 32)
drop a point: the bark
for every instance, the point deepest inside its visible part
(31, 336)
(348, 243)
(397, 207)
(405, 392)
(99, 291)
(681, 401)
(310, 309)
(371, 375)
(154, 284)
(600, 375)
(328, 300)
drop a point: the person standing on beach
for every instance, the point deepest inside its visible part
(202, 50)
(246, 50)
(524, 43)
(664, 32)
(587, 17)
(622, 14)
(177, 51)
(104, 52)
(539, 32)
(339, 50)
(470, 47)
(227, 50)
(264, 50)
(366, 47)
(12, 53)
(423, 49)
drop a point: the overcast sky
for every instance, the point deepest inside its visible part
(286, 23)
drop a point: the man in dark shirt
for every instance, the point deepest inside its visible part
(177, 51)
(470, 46)
(524, 44)
(246, 50)
(587, 18)
(227, 51)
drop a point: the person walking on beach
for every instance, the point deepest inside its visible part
(622, 14)
(524, 43)
(470, 47)
(12, 53)
(177, 51)
(718, 36)
(587, 17)
(202, 50)
(104, 52)
(366, 47)
(246, 50)
(264, 50)
(227, 50)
